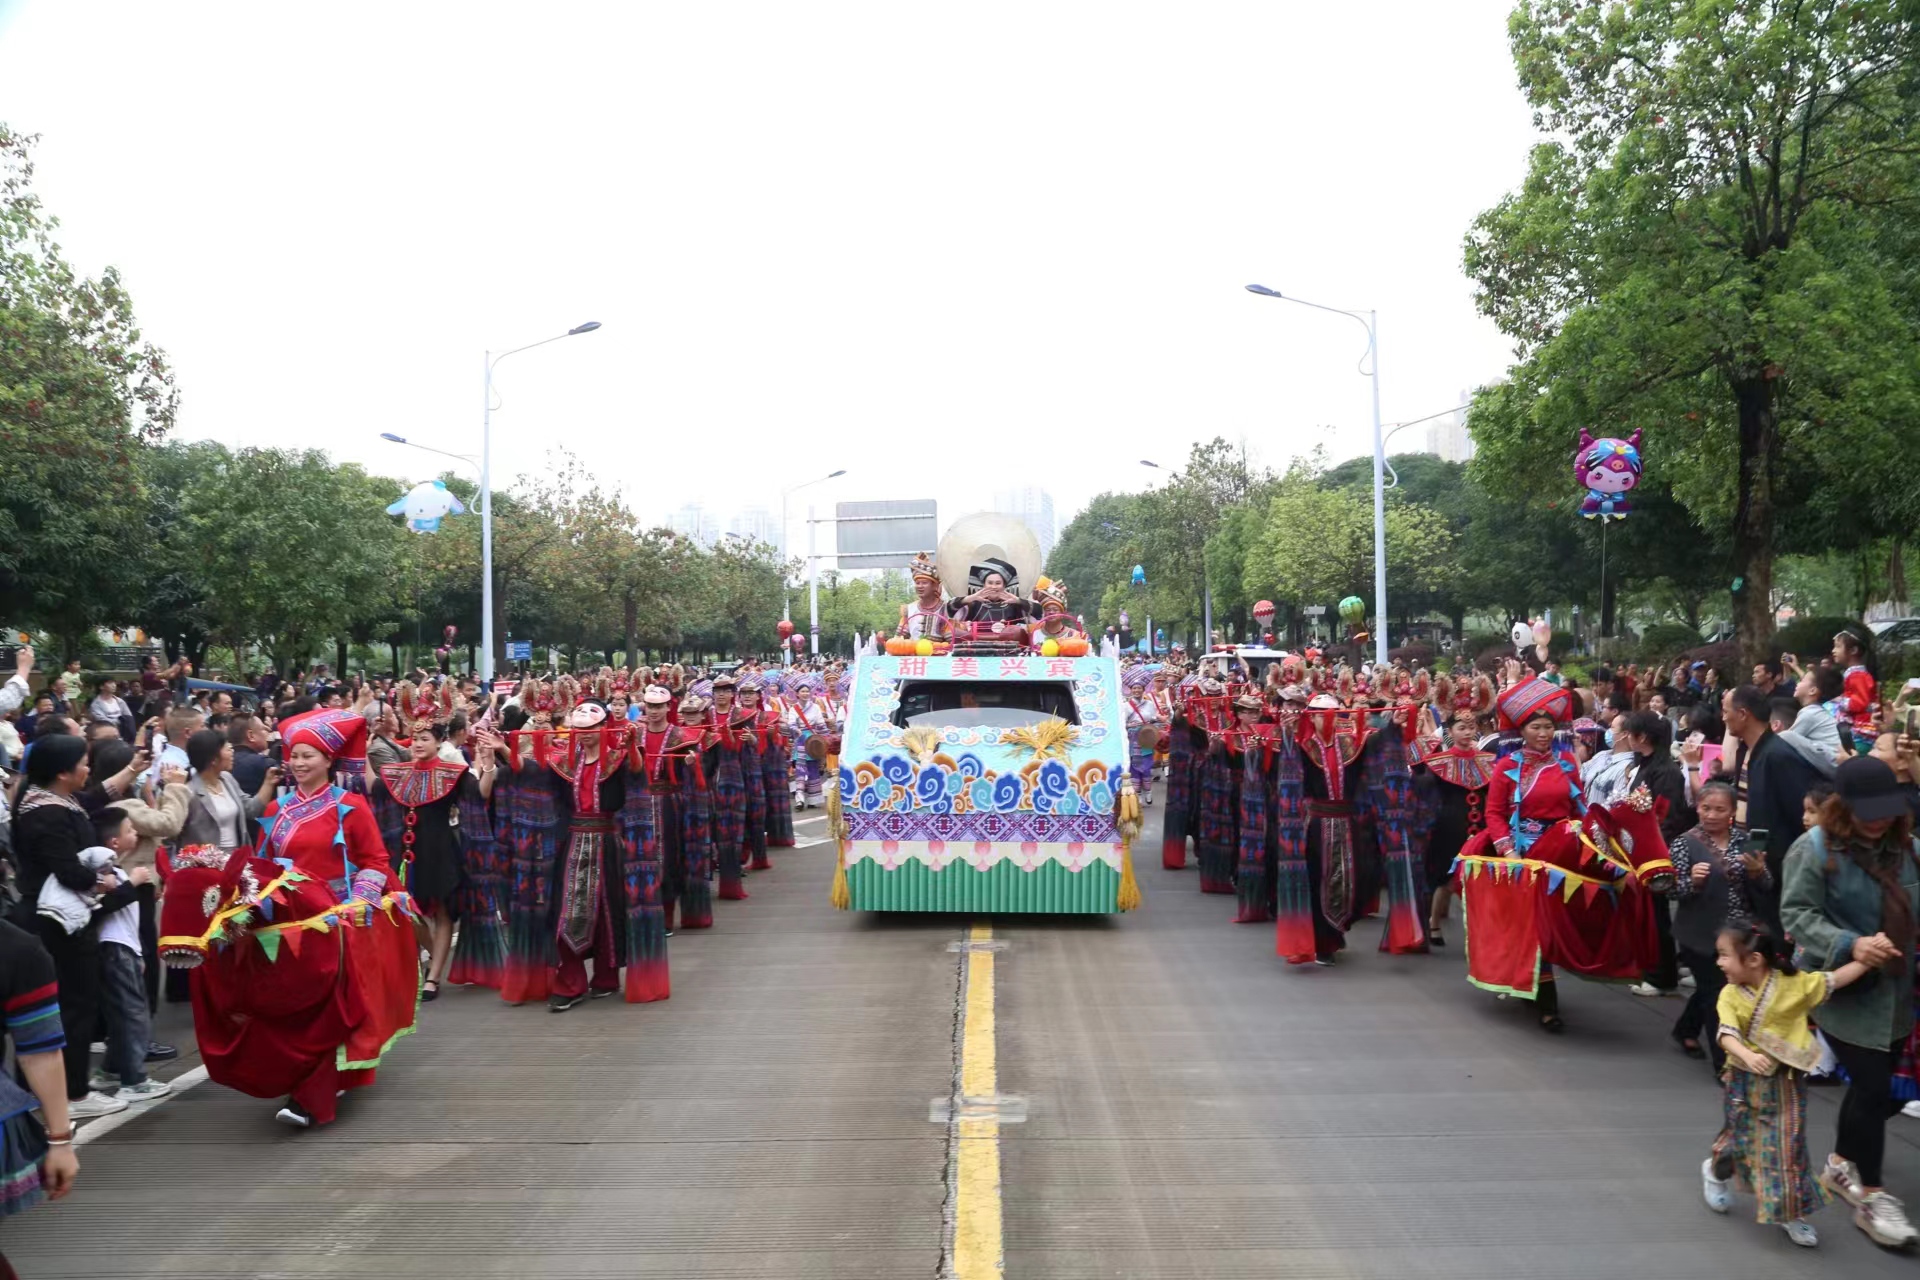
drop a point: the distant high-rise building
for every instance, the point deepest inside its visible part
(696, 523)
(1448, 436)
(1034, 506)
(757, 524)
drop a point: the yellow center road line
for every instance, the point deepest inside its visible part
(976, 1218)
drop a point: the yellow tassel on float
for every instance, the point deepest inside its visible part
(841, 896)
(1128, 898)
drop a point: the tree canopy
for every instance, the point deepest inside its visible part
(81, 391)
(1712, 244)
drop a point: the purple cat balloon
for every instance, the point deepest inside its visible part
(1609, 468)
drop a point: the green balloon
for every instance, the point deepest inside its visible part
(1354, 610)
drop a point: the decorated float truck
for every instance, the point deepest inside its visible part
(982, 780)
(986, 784)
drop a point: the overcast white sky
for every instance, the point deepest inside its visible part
(946, 247)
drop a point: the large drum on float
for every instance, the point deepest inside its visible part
(987, 538)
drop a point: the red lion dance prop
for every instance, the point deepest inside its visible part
(294, 993)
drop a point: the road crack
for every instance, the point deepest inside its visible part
(949, 1178)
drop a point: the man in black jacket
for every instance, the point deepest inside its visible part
(248, 735)
(1649, 737)
(1770, 781)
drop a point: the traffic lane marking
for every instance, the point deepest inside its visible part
(977, 1228)
(101, 1126)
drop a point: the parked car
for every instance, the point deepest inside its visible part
(1898, 631)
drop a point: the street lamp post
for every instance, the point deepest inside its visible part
(1206, 588)
(786, 589)
(467, 458)
(1371, 323)
(786, 493)
(486, 495)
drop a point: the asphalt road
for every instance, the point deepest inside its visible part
(1194, 1108)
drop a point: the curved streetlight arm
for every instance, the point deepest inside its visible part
(1355, 316)
(467, 458)
(530, 346)
(795, 488)
(493, 360)
(1401, 426)
(1321, 306)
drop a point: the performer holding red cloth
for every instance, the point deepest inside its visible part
(312, 1013)
(1531, 791)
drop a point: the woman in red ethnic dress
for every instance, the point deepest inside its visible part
(1531, 790)
(330, 835)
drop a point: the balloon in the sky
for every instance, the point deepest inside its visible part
(1354, 610)
(425, 504)
(1139, 575)
(1609, 467)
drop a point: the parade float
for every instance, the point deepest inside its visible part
(984, 771)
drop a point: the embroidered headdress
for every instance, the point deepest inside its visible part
(1534, 697)
(338, 734)
(1052, 598)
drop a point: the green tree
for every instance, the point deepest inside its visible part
(853, 608)
(172, 603)
(1176, 520)
(746, 591)
(289, 549)
(1314, 545)
(1704, 246)
(1097, 551)
(81, 392)
(1429, 481)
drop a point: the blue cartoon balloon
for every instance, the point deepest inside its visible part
(425, 504)
(1139, 575)
(1609, 468)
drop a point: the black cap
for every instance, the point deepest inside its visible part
(1870, 790)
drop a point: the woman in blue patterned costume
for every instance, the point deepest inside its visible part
(1142, 723)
